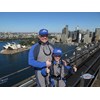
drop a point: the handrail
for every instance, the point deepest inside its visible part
(77, 57)
(68, 51)
(14, 73)
(93, 80)
(26, 82)
(2, 78)
(86, 70)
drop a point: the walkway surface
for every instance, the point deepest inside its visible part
(96, 83)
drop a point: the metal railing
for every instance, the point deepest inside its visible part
(77, 56)
(4, 79)
(78, 80)
(31, 81)
(80, 54)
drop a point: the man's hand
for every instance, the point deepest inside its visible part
(48, 63)
(47, 70)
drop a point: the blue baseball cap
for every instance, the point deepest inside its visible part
(43, 32)
(57, 52)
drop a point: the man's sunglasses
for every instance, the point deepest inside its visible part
(44, 35)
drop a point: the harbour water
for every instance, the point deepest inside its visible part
(11, 63)
(15, 62)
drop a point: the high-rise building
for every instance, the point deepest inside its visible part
(77, 35)
(87, 37)
(97, 34)
(65, 34)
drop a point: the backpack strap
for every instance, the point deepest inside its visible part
(36, 51)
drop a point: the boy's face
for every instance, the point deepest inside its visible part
(57, 58)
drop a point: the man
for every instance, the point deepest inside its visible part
(40, 56)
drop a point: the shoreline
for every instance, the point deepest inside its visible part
(14, 51)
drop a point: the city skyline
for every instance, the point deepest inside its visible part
(53, 21)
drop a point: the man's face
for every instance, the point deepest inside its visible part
(43, 38)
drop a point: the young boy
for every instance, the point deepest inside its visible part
(57, 70)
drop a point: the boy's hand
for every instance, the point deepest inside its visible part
(65, 63)
(75, 68)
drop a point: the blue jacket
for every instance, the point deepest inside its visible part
(51, 77)
(69, 68)
(33, 53)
